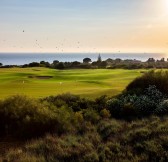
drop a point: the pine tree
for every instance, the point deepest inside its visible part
(99, 59)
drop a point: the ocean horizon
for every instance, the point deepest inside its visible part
(25, 58)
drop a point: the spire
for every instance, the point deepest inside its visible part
(99, 59)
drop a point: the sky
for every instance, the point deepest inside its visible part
(84, 26)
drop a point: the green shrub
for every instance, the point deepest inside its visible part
(105, 113)
(139, 135)
(157, 78)
(25, 117)
(91, 116)
(108, 128)
(130, 106)
(72, 101)
(162, 108)
(115, 107)
(20, 156)
(129, 111)
(105, 141)
(100, 103)
(67, 148)
(145, 106)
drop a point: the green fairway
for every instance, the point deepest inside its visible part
(40, 82)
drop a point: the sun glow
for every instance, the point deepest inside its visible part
(166, 5)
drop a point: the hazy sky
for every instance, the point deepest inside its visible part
(84, 25)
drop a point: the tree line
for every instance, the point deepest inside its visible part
(104, 64)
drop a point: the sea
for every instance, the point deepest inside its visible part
(25, 58)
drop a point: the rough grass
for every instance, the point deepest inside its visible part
(87, 83)
(109, 140)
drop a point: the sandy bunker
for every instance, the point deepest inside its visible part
(41, 77)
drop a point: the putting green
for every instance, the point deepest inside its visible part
(40, 82)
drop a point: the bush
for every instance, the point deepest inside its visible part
(91, 116)
(144, 106)
(19, 156)
(68, 148)
(60, 66)
(115, 107)
(158, 78)
(130, 106)
(105, 113)
(162, 108)
(72, 101)
(25, 117)
(106, 141)
(147, 103)
(108, 128)
(100, 103)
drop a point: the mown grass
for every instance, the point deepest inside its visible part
(85, 82)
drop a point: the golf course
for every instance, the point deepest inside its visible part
(41, 82)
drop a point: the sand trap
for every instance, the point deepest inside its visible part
(41, 77)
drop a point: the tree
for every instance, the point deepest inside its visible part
(34, 64)
(87, 60)
(99, 59)
(46, 64)
(162, 60)
(103, 64)
(1, 64)
(60, 66)
(55, 63)
(75, 64)
(151, 60)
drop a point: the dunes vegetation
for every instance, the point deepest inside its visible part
(129, 127)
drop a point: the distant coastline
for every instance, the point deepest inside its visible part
(24, 58)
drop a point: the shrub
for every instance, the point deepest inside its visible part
(19, 156)
(115, 107)
(162, 108)
(25, 117)
(72, 101)
(129, 111)
(108, 128)
(105, 113)
(139, 135)
(129, 106)
(100, 103)
(106, 141)
(60, 66)
(68, 148)
(145, 106)
(91, 116)
(158, 78)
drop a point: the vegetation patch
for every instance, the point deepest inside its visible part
(130, 127)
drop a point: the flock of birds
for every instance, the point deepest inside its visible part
(58, 48)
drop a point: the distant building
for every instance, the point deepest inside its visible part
(99, 59)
